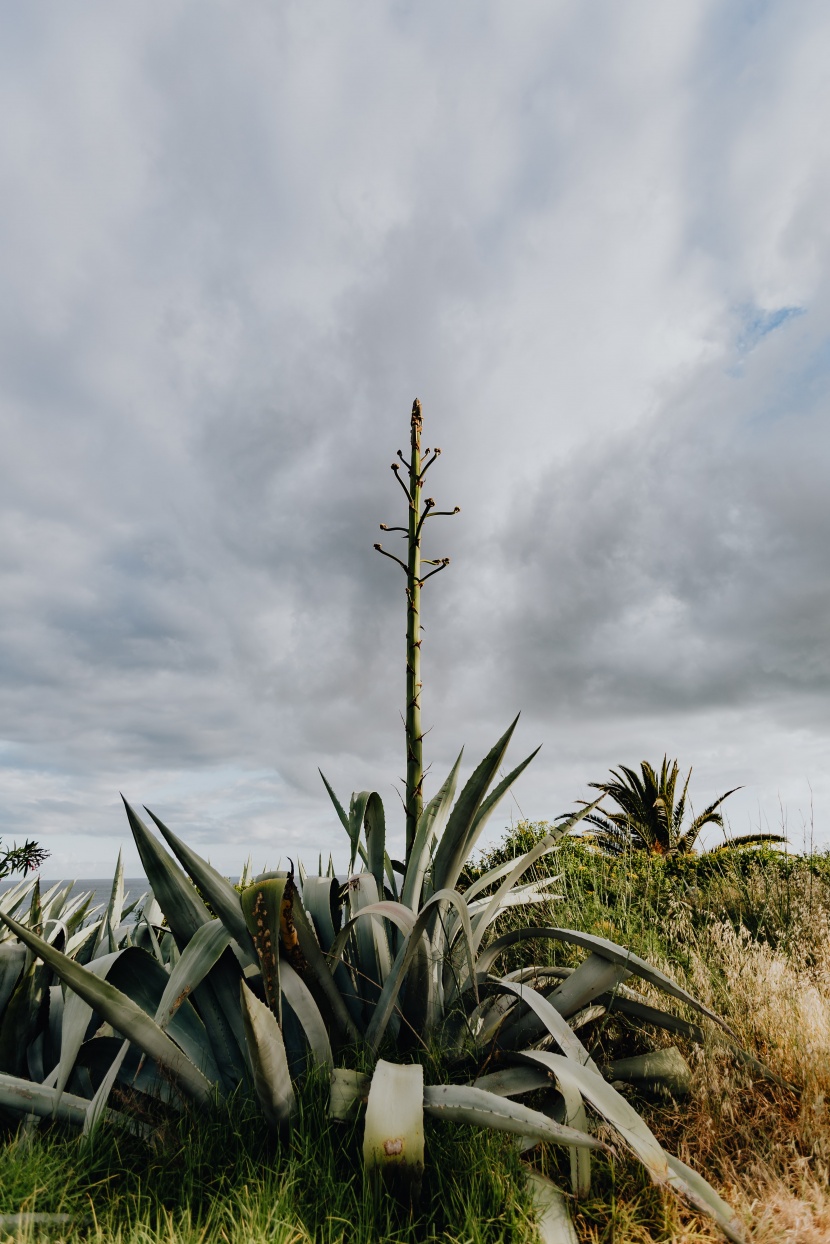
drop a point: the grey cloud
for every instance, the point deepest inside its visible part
(235, 251)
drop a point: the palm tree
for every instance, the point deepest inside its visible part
(651, 816)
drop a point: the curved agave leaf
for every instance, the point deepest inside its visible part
(375, 961)
(513, 1081)
(95, 1109)
(301, 1000)
(595, 976)
(120, 1011)
(374, 822)
(703, 1196)
(217, 997)
(201, 953)
(640, 1139)
(26, 1097)
(559, 1028)
(553, 1222)
(608, 950)
(430, 826)
(665, 1069)
(219, 892)
(406, 954)
(12, 959)
(393, 1137)
(269, 1064)
(321, 897)
(450, 856)
(463, 1104)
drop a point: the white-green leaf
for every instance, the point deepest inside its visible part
(200, 954)
(553, 1221)
(614, 1108)
(462, 1104)
(95, 1109)
(394, 1128)
(559, 1028)
(117, 1009)
(301, 1000)
(269, 1065)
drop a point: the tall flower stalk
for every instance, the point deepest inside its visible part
(419, 512)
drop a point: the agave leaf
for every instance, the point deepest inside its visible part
(219, 892)
(269, 1064)
(20, 1019)
(609, 950)
(321, 901)
(316, 970)
(580, 1158)
(338, 807)
(26, 1097)
(608, 1102)
(628, 1002)
(393, 1138)
(450, 857)
(394, 980)
(105, 942)
(201, 953)
(217, 996)
(553, 1221)
(266, 906)
(176, 896)
(595, 975)
(301, 1000)
(665, 1069)
(374, 822)
(348, 1090)
(703, 1196)
(374, 959)
(120, 1011)
(513, 1081)
(74, 1023)
(12, 959)
(430, 826)
(463, 1104)
(400, 916)
(95, 1109)
(483, 815)
(557, 1026)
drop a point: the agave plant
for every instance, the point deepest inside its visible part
(214, 987)
(253, 987)
(651, 814)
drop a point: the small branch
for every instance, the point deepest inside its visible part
(403, 565)
(405, 530)
(428, 505)
(443, 513)
(428, 463)
(408, 465)
(445, 561)
(396, 468)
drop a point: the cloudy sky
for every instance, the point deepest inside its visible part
(237, 240)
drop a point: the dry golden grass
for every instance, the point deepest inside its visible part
(766, 1148)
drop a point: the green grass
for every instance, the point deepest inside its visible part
(224, 1178)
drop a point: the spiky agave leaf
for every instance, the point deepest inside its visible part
(120, 1011)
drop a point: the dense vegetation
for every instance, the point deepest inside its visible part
(747, 930)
